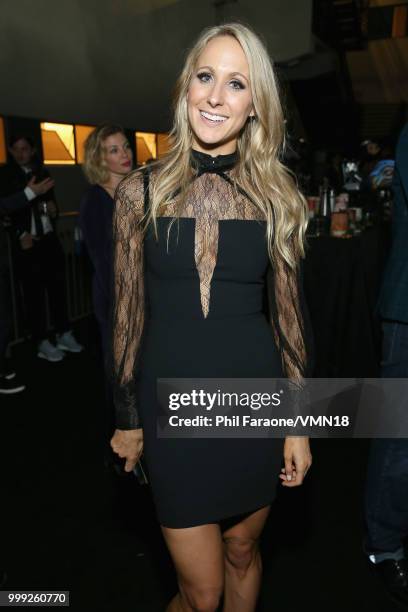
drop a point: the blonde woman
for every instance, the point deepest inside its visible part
(237, 219)
(108, 158)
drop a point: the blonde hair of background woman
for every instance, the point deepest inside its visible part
(259, 171)
(94, 167)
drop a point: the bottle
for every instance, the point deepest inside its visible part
(324, 209)
(43, 209)
(77, 240)
(332, 200)
(44, 219)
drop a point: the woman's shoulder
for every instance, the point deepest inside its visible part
(130, 192)
(94, 194)
(132, 185)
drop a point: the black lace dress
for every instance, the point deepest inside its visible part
(196, 308)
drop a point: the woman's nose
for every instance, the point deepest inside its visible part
(215, 96)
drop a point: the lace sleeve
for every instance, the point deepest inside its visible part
(290, 321)
(129, 299)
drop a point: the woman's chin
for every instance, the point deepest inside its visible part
(209, 141)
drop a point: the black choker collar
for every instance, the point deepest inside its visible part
(206, 163)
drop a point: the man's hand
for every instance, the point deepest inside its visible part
(26, 241)
(41, 187)
(128, 445)
(298, 460)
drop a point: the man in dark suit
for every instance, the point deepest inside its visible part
(9, 383)
(38, 253)
(8, 380)
(387, 482)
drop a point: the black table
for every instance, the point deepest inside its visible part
(342, 278)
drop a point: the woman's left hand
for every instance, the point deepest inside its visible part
(298, 460)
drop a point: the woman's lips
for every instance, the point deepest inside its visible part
(212, 122)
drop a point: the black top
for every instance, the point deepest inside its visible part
(211, 245)
(95, 220)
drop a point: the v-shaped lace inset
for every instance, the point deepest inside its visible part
(211, 199)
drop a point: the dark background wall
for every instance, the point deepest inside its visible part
(95, 60)
(88, 61)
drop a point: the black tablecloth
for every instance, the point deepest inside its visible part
(342, 279)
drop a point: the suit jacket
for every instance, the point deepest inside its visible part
(13, 203)
(8, 205)
(12, 180)
(393, 302)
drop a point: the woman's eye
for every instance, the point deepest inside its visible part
(237, 85)
(204, 77)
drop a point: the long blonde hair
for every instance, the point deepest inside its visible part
(259, 171)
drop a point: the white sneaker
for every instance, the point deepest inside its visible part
(67, 342)
(48, 351)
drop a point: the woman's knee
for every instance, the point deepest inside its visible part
(202, 599)
(240, 552)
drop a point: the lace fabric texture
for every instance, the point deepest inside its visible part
(129, 299)
(212, 197)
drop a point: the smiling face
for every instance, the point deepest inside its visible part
(117, 154)
(219, 99)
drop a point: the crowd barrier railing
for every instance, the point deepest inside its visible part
(77, 273)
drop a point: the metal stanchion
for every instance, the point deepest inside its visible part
(77, 274)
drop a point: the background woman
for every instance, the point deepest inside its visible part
(108, 158)
(238, 220)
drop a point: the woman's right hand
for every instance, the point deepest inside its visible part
(128, 444)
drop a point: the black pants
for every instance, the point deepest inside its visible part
(5, 311)
(387, 482)
(41, 269)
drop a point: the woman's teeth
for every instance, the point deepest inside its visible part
(215, 118)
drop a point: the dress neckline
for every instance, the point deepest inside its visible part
(206, 163)
(105, 191)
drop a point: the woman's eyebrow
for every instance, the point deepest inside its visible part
(206, 67)
(211, 69)
(239, 74)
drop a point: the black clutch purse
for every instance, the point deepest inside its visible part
(140, 472)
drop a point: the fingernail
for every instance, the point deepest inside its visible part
(289, 477)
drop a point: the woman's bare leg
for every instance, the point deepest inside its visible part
(243, 564)
(197, 553)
